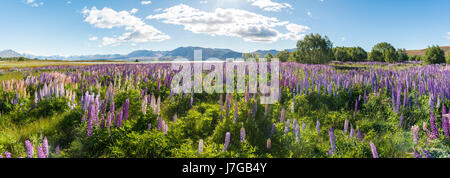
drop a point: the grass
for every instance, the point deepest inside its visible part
(19, 133)
(10, 75)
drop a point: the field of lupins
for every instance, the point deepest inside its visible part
(129, 111)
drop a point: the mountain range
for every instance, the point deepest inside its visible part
(9, 53)
(146, 55)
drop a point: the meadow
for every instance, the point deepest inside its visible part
(127, 110)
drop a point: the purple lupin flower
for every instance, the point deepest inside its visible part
(445, 126)
(352, 131)
(175, 118)
(401, 121)
(40, 152)
(118, 121)
(255, 108)
(427, 154)
(274, 127)
(345, 126)
(317, 126)
(417, 154)
(30, 149)
(445, 121)
(374, 150)
(126, 107)
(434, 128)
(360, 135)
(303, 126)
(283, 112)
(415, 132)
(111, 109)
(102, 123)
(7, 154)
(287, 126)
(89, 127)
(268, 144)
(227, 142)
(159, 127)
(45, 147)
(332, 139)
(57, 150)
(242, 135)
(110, 119)
(149, 126)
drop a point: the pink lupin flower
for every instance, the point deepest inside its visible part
(374, 150)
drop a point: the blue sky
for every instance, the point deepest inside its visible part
(81, 27)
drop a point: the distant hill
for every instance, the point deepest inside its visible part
(188, 53)
(421, 52)
(272, 51)
(9, 54)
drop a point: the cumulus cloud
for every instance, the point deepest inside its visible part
(448, 35)
(138, 31)
(133, 11)
(34, 3)
(230, 22)
(269, 5)
(146, 2)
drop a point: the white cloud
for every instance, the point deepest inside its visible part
(94, 38)
(133, 11)
(69, 2)
(343, 39)
(448, 35)
(230, 22)
(146, 2)
(34, 3)
(269, 5)
(138, 31)
(203, 2)
(309, 14)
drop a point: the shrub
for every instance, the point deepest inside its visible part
(434, 55)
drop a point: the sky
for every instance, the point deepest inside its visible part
(86, 27)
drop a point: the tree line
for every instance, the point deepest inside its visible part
(317, 49)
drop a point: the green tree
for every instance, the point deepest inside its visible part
(314, 49)
(434, 55)
(254, 55)
(341, 54)
(383, 52)
(376, 56)
(268, 57)
(402, 55)
(357, 54)
(390, 55)
(283, 56)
